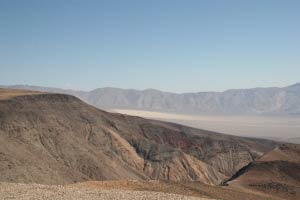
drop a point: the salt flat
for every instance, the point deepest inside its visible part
(278, 128)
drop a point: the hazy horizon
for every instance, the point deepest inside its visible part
(76, 89)
(172, 46)
(271, 127)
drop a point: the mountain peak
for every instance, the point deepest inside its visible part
(294, 85)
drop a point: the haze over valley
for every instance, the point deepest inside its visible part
(260, 112)
(272, 127)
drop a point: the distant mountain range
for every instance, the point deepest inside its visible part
(255, 101)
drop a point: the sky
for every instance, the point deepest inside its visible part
(170, 45)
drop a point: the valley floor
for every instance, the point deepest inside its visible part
(284, 128)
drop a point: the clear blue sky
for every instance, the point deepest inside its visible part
(171, 45)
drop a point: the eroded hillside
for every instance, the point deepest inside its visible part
(276, 173)
(57, 139)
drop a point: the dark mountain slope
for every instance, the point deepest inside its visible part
(276, 173)
(56, 138)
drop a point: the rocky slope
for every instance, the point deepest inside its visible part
(46, 192)
(57, 139)
(256, 101)
(115, 190)
(186, 188)
(276, 173)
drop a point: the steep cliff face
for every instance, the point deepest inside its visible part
(55, 138)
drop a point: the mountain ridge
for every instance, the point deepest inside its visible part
(140, 90)
(254, 101)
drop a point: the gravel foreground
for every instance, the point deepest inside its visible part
(45, 192)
